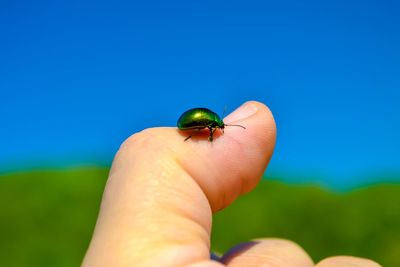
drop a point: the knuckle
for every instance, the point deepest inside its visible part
(137, 139)
(144, 139)
(138, 146)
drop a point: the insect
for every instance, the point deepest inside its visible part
(201, 118)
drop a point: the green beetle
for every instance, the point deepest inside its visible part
(201, 118)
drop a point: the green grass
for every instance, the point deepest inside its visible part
(47, 218)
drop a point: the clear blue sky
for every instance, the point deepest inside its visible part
(78, 77)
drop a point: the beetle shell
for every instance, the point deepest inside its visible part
(199, 118)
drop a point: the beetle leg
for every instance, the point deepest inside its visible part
(198, 130)
(212, 130)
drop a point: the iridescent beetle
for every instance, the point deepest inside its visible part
(201, 118)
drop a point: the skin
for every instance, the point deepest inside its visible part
(161, 193)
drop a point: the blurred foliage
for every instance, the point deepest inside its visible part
(47, 218)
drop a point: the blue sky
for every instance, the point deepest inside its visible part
(78, 77)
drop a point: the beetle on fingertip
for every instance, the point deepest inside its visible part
(201, 118)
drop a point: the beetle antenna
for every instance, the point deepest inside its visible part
(235, 125)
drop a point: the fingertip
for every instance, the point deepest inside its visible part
(248, 109)
(244, 111)
(259, 122)
(241, 153)
(347, 261)
(257, 141)
(266, 252)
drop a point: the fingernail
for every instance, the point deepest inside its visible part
(242, 112)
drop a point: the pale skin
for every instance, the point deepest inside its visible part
(161, 193)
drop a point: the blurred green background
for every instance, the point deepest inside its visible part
(47, 218)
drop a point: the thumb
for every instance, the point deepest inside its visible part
(159, 198)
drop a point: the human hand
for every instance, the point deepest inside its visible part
(161, 192)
